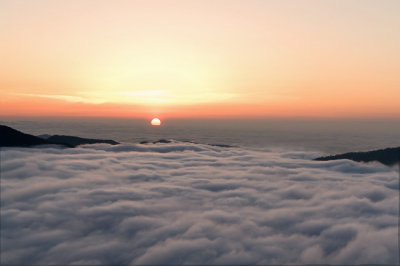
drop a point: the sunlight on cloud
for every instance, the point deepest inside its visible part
(175, 96)
(67, 98)
(143, 97)
(158, 97)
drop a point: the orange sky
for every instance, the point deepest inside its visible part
(200, 58)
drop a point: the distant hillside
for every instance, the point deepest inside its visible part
(75, 141)
(389, 156)
(10, 137)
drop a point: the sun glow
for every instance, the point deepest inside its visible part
(178, 58)
(156, 122)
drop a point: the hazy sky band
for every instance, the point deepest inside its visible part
(200, 58)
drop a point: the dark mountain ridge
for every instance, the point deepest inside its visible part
(75, 141)
(10, 137)
(388, 156)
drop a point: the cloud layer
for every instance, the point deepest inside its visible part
(183, 203)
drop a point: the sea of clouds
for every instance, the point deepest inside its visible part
(185, 203)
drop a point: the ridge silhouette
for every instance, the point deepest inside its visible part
(388, 156)
(10, 137)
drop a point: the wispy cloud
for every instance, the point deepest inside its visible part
(141, 97)
(67, 98)
(162, 97)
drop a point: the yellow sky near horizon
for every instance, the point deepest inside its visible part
(200, 58)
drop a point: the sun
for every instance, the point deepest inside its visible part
(155, 122)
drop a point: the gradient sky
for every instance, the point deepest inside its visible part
(200, 58)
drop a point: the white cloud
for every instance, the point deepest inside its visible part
(183, 203)
(147, 97)
(67, 98)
